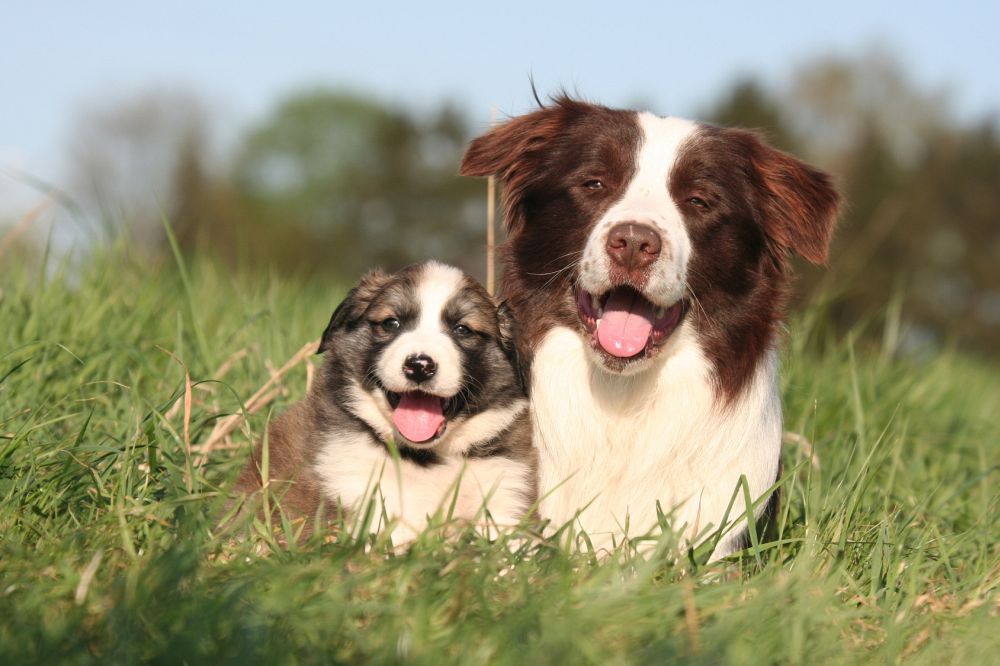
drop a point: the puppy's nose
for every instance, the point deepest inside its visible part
(419, 367)
(633, 246)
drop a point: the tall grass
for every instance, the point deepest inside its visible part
(886, 549)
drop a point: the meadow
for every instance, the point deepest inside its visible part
(118, 370)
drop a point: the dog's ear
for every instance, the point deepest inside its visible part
(514, 152)
(351, 309)
(501, 150)
(798, 203)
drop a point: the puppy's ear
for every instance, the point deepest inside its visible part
(507, 326)
(353, 307)
(798, 202)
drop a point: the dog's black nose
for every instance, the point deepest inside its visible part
(419, 367)
(633, 246)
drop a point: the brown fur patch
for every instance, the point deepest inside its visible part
(545, 160)
(754, 219)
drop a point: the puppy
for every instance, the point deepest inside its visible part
(418, 406)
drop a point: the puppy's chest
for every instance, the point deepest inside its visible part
(354, 469)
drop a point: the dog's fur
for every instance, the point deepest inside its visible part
(333, 448)
(688, 228)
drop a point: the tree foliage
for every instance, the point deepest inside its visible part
(357, 183)
(334, 182)
(922, 213)
(127, 154)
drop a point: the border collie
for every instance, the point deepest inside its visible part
(647, 261)
(421, 361)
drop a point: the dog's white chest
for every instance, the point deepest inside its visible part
(611, 446)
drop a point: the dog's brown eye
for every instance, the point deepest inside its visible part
(390, 324)
(594, 184)
(699, 202)
(462, 330)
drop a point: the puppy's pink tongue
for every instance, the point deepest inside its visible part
(418, 416)
(626, 324)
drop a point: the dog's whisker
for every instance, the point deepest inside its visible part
(696, 301)
(544, 274)
(568, 254)
(693, 296)
(571, 265)
(472, 384)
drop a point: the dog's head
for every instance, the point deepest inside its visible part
(423, 351)
(639, 223)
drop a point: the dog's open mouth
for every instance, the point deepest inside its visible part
(624, 323)
(418, 416)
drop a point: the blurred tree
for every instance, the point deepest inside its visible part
(749, 105)
(336, 182)
(834, 101)
(126, 155)
(921, 191)
(349, 182)
(331, 181)
(190, 204)
(951, 223)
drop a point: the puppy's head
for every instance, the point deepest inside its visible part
(421, 351)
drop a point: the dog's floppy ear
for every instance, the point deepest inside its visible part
(503, 148)
(514, 151)
(351, 309)
(798, 202)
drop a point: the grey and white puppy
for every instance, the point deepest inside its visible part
(422, 358)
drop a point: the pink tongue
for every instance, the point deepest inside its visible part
(418, 416)
(626, 324)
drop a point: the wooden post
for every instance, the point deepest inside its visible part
(491, 214)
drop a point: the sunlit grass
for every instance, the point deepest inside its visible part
(887, 547)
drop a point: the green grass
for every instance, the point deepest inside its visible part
(887, 548)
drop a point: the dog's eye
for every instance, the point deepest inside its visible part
(390, 324)
(462, 330)
(594, 184)
(698, 201)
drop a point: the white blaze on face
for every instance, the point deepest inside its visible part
(647, 201)
(435, 286)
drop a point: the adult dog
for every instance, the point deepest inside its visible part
(647, 261)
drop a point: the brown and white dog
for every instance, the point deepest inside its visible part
(420, 361)
(647, 261)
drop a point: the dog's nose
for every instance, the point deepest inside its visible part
(419, 367)
(633, 246)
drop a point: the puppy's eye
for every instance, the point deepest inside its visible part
(462, 330)
(698, 202)
(390, 324)
(594, 184)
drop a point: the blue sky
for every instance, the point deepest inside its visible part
(674, 57)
